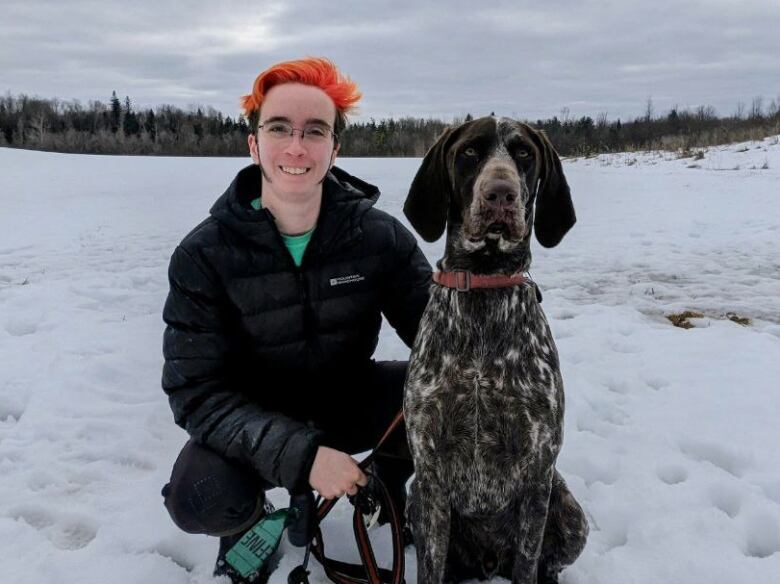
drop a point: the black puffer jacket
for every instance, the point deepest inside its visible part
(256, 350)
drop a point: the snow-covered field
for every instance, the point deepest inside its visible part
(671, 434)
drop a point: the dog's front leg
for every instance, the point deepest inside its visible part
(533, 502)
(429, 513)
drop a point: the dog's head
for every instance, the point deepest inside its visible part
(481, 180)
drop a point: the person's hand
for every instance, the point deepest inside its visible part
(335, 473)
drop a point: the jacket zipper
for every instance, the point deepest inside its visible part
(308, 311)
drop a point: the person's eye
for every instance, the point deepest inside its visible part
(316, 132)
(277, 128)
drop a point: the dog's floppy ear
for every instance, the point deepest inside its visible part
(428, 201)
(554, 209)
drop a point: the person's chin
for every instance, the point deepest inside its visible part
(297, 189)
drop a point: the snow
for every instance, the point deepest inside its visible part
(670, 434)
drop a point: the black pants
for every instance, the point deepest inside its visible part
(211, 495)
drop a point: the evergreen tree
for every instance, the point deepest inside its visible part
(150, 125)
(116, 112)
(674, 120)
(130, 125)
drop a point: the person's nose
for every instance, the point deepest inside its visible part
(295, 144)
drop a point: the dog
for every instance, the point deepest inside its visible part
(484, 397)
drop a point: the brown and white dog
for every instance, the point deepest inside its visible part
(484, 396)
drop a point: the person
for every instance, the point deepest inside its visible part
(273, 315)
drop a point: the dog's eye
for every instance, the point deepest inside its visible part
(523, 153)
(470, 152)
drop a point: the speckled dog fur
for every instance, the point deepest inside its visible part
(484, 397)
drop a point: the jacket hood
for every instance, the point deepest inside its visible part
(345, 199)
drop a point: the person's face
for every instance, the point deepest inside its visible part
(293, 167)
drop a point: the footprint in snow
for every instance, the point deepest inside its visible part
(672, 474)
(594, 425)
(763, 536)
(616, 539)
(624, 347)
(610, 531)
(595, 470)
(11, 410)
(608, 412)
(617, 385)
(725, 498)
(657, 383)
(733, 462)
(22, 324)
(64, 532)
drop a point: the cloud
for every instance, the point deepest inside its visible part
(439, 59)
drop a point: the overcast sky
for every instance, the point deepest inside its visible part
(441, 59)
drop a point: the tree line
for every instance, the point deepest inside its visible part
(117, 127)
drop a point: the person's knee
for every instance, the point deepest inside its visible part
(217, 516)
(209, 495)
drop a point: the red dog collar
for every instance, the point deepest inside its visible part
(464, 281)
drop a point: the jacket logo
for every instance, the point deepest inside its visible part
(346, 280)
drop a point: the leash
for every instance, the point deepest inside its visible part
(366, 502)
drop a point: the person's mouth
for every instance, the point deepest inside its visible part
(295, 170)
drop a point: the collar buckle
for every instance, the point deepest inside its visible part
(462, 281)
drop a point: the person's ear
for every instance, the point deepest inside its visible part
(334, 154)
(253, 151)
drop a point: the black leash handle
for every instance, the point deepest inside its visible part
(301, 530)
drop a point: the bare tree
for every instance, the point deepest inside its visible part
(756, 108)
(649, 110)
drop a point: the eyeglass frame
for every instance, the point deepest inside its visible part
(319, 124)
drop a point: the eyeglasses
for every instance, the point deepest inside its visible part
(283, 131)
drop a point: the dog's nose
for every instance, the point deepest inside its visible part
(500, 194)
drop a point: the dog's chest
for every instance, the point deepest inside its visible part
(484, 395)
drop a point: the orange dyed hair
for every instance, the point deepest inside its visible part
(314, 71)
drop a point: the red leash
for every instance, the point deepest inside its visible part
(368, 572)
